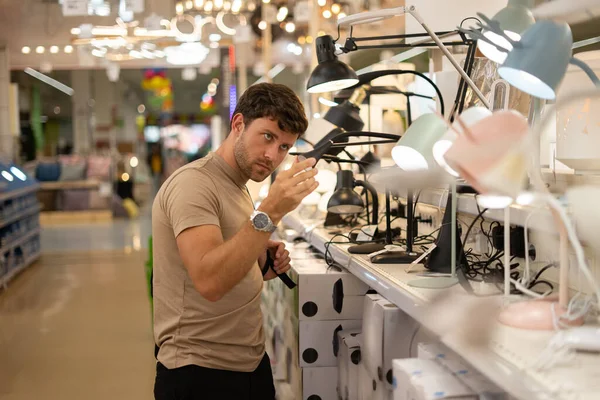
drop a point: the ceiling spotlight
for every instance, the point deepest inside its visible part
(218, 4)
(214, 37)
(53, 49)
(290, 27)
(297, 51)
(302, 40)
(141, 108)
(26, 50)
(179, 8)
(40, 49)
(321, 3)
(251, 6)
(125, 177)
(309, 39)
(266, 1)
(262, 25)
(189, 4)
(68, 49)
(336, 8)
(133, 161)
(208, 6)
(227, 6)
(327, 14)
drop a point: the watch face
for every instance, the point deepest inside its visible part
(261, 221)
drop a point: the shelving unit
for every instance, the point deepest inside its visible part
(508, 358)
(19, 230)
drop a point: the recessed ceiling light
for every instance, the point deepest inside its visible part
(26, 50)
(68, 49)
(40, 49)
(53, 49)
(262, 25)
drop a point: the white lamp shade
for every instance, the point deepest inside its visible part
(468, 118)
(324, 201)
(413, 152)
(327, 180)
(312, 199)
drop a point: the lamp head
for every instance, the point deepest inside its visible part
(514, 19)
(330, 74)
(539, 63)
(468, 118)
(414, 149)
(347, 114)
(345, 200)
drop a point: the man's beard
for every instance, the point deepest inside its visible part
(244, 163)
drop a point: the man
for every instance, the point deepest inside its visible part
(209, 246)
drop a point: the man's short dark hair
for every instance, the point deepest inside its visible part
(275, 101)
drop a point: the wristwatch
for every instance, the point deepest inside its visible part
(261, 222)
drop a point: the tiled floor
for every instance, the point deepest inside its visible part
(77, 324)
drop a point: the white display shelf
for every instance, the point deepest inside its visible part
(508, 358)
(20, 192)
(19, 241)
(542, 220)
(9, 276)
(22, 214)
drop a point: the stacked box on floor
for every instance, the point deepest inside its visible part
(388, 333)
(330, 301)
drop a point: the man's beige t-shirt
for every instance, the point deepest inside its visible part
(227, 334)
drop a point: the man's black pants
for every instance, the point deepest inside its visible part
(198, 383)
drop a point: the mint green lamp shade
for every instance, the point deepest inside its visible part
(414, 150)
(539, 64)
(514, 19)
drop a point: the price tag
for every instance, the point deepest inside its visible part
(366, 233)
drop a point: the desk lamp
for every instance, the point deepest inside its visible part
(513, 20)
(346, 201)
(322, 79)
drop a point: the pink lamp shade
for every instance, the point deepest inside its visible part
(489, 154)
(467, 118)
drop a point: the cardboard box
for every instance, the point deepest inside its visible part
(349, 362)
(319, 383)
(369, 388)
(327, 293)
(418, 379)
(388, 333)
(319, 344)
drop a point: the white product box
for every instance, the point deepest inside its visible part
(418, 379)
(387, 335)
(431, 351)
(371, 389)
(319, 343)
(327, 293)
(319, 383)
(349, 361)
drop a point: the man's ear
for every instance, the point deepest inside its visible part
(238, 123)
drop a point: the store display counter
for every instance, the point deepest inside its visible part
(510, 355)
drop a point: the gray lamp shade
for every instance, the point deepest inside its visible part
(539, 64)
(514, 19)
(413, 151)
(330, 74)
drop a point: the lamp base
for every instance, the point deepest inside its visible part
(395, 257)
(438, 282)
(535, 315)
(366, 248)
